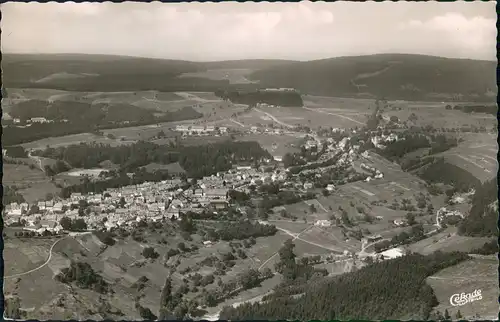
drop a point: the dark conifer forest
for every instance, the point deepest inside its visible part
(392, 289)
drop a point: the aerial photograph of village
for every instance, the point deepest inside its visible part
(250, 161)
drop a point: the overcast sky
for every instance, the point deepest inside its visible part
(221, 31)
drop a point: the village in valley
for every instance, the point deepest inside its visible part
(189, 187)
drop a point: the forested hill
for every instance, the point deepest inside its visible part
(483, 215)
(393, 289)
(393, 76)
(80, 72)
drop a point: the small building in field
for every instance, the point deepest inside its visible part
(39, 120)
(219, 204)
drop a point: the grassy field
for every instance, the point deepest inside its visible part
(317, 117)
(476, 274)
(448, 241)
(477, 154)
(172, 167)
(436, 115)
(33, 184)
(277, 145)
(62, 141)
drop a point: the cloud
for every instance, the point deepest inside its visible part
(215, 31)
(474, 34)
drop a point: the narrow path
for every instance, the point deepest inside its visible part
(334, 114)
(39, 267)
(295, 236)
(236, 122)
(471, 278)
(274, 118)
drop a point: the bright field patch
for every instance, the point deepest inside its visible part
(277, 145)
(437, 116)
(67, 140)
(448, 241)
(477, 154)
(33, 183)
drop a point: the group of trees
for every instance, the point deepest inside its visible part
(282, 198)
(415, 234)
(84, 276)
(252, 98)
(11, 195)
(58, 167)
(16, 152)
(390, 289)
(150, 252)
(173, 304)
(489, 248)
(488, 109)
(121, 179)
(441, 171)
(27, 234)
(409, 142)
(198, 161)
(294, 271)
(243, 230)
(105, 237)
(73, 224)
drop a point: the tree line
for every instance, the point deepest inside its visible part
(198, 161)
(483, 215)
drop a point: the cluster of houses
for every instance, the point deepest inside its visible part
(374, 172)
(150, 201)
(270, 131)
(379, 141)
(190, 130)
(279, 90)
(34, 120)
(154, 201)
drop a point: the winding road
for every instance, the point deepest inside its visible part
(39, 267)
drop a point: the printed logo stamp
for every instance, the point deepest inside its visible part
(464, 298)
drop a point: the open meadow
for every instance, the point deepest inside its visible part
(475, 274)
(32, 182)
(436, 115)
(477, 155)
(277, 145)
(62, 141)
(448, 241)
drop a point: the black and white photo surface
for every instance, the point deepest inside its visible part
(246, 161)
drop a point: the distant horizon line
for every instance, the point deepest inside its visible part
(242, 59)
